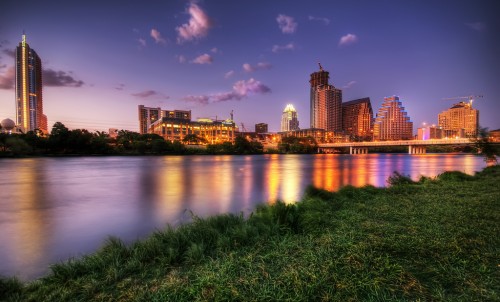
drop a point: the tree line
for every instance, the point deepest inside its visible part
(62, 141)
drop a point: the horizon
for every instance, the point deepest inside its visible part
(101, 60)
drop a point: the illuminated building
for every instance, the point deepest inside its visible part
(357, 118)
(29, 100)
(460, 116)
(325, 101)
(289, 119)
(433, 132)
(392, 122)
(175, 129)
(149, 115)
(261, 128)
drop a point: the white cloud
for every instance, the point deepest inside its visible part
(287, 24)
(182, 59)
(479, 26)
(278, 48)
(203, 59)
(349, 85)
(156, 35)
(241, 89)
(260, 66)
(348, 39)
(325, 21)
(214, 50)
(229, 74)
(142, 42)
(197, 27)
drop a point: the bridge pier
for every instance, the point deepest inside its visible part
(358, 150)
(416, 149)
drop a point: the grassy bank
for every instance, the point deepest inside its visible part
(437, 239)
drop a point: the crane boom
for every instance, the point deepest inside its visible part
(471, 98)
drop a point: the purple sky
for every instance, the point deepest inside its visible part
(103, 58)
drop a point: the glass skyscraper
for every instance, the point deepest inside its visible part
(29, 100)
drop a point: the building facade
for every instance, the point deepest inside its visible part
(261, 128)
(325, 102)
(149, 115)
(357, 119)
(460, 116)
(289, 119)
(29, 99)
(392, 122)
(213, 132)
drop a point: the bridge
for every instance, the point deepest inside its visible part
(414, 146)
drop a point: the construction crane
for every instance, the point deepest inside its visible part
(243, 127)
(471, 98)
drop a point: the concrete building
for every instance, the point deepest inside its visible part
(357, 119)
(392, 122)
(433, 132)
(149, 115)
(325, 102)
(460, 116)
(261, 128)
(289, 119)
(29, 99)
(213, 132)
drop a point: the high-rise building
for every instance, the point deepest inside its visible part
(392, 121)
(289, 119)
(29, 100)
(149, 115)
(460, 116)
(261, 128)
(357, 118)
(326, 102)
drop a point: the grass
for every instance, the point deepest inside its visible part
(431, 240)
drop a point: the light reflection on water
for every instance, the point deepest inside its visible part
(55, 208)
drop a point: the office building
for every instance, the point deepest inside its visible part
(460, 116)
(289, 119)
(392, 122)
(325, 102)
(357, 119)
(261, 128)
(29, 100)
(149, 115)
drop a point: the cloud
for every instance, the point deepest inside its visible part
(150, 94)
(260, 66)
(156, 35)
(59, 79)
(325, 21)
(286, 24)
(7, 79)
(348, 39)
(278, 48)
(479, 26)
(241, 89)
(142, 42)
(10, 52)
(214, 50)
(199, 99)
(197, 27)
(349, 85)
(229, 74)
(203, 59)
(181, 58)
(120, 87)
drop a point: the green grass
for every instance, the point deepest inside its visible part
(437, 239)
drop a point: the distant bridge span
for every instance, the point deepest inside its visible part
(414, 146)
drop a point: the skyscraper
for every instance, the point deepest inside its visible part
(460, 116)
(392, 121)
(357, 118)
(29, 100)
(261, 128)
(326, 102)
(149, 115)
(289, 119)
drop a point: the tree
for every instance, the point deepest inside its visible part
(484, 146)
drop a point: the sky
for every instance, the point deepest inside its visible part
(102, 59)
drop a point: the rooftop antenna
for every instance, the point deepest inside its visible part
(24, 38)
(232, 115)
(320, 67)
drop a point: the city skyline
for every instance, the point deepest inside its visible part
(103, 60)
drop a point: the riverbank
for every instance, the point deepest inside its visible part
(432, 240)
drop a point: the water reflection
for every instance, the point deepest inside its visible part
(53, 209)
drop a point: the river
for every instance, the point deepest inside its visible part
(52, 209)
